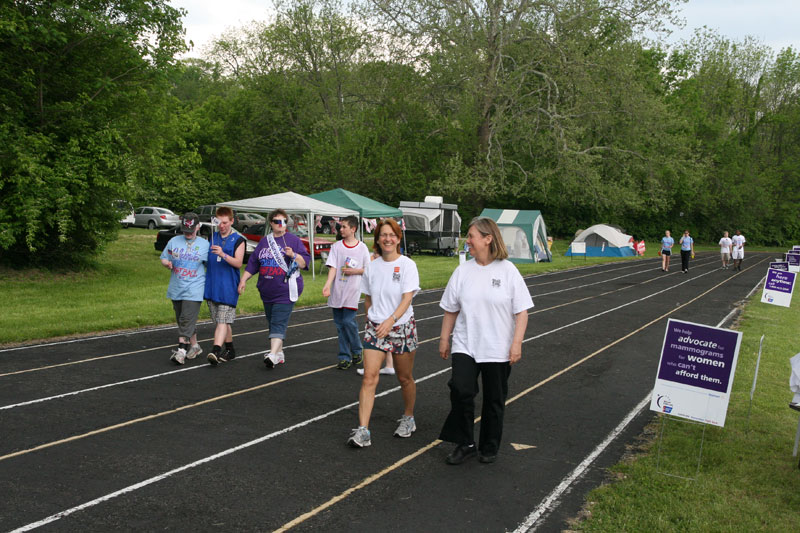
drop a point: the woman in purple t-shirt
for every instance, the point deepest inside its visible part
(277, 259)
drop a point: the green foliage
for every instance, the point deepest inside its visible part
(558, 106)
(747, 479)
(76, 81)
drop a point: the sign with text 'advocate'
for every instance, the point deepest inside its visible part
(778, 288)
(695, 373)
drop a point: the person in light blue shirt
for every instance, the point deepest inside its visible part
(186, 256)
(666, 250)
(687, 251)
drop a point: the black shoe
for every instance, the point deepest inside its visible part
(358, 358)
(213, 358)
(487, 458)
(461, 454)
(228, 354)
(344, 364)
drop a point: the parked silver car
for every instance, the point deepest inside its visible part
(155, 217)
(244, 221)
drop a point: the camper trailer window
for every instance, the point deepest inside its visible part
(448, 220)
(415, 222)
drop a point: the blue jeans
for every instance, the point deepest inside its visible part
(347, 327)
(278, 319)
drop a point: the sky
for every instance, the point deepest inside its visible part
(772, 22)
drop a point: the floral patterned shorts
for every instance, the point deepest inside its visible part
(401, 339)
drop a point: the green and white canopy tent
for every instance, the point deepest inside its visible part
(291, 202)
(524, 234)
(366, 207)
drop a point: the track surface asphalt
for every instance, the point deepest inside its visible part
(107, 434)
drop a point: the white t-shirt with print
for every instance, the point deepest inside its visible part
(385, 283)
(346, 290)
(725, 245)
(486, 299)
(738, 248)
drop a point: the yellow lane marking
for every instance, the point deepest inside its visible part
(159, 415)
(167, 346)
(378, 475)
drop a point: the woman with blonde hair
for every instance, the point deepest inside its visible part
(485, 306)
(389, 283)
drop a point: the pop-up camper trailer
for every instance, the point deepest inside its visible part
(431, 225)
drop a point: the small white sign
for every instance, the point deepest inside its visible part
(578, 248)
(778, 288)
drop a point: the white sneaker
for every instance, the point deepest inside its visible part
(359, 438)
(274, 359)
(387, 370)
(194, 351)
(406, 428)
(360, 371)
(179, 356)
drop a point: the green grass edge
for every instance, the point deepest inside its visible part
(747, 479)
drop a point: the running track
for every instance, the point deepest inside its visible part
(106, 434)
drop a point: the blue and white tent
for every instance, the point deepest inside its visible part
(604, 240)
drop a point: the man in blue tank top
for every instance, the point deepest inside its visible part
(222, 281)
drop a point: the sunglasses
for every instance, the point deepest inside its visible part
(279, 221)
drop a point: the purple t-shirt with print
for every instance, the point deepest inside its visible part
(271, 277)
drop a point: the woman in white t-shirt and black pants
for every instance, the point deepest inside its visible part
(486, 306)
(389, 283)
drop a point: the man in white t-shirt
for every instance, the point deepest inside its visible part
(725, 244)
(346, 264)
(737, 250)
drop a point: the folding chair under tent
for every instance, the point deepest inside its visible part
(294, 203)
(524, 234)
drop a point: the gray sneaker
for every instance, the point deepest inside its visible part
(179, 356)
(194, 351)
(406, 428)
(359, 438)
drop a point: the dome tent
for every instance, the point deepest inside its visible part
(605, 240)
(524, 234)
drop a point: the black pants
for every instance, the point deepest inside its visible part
(685, 256)
(459, 426)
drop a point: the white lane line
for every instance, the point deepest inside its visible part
(103, 357)
(603, 281)
(139, 331)
(647, 263)
(131, 488)
(553, 499)
(171, 372)
(618, 307)
(256, 315)
(229, 451)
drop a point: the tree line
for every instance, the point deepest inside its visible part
(556, 105)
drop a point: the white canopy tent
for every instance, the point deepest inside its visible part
(291, 202)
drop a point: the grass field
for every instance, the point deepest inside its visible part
(748, 479)
(127, 289)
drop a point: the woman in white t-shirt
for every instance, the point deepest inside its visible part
(486, 306)
(389, 283)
